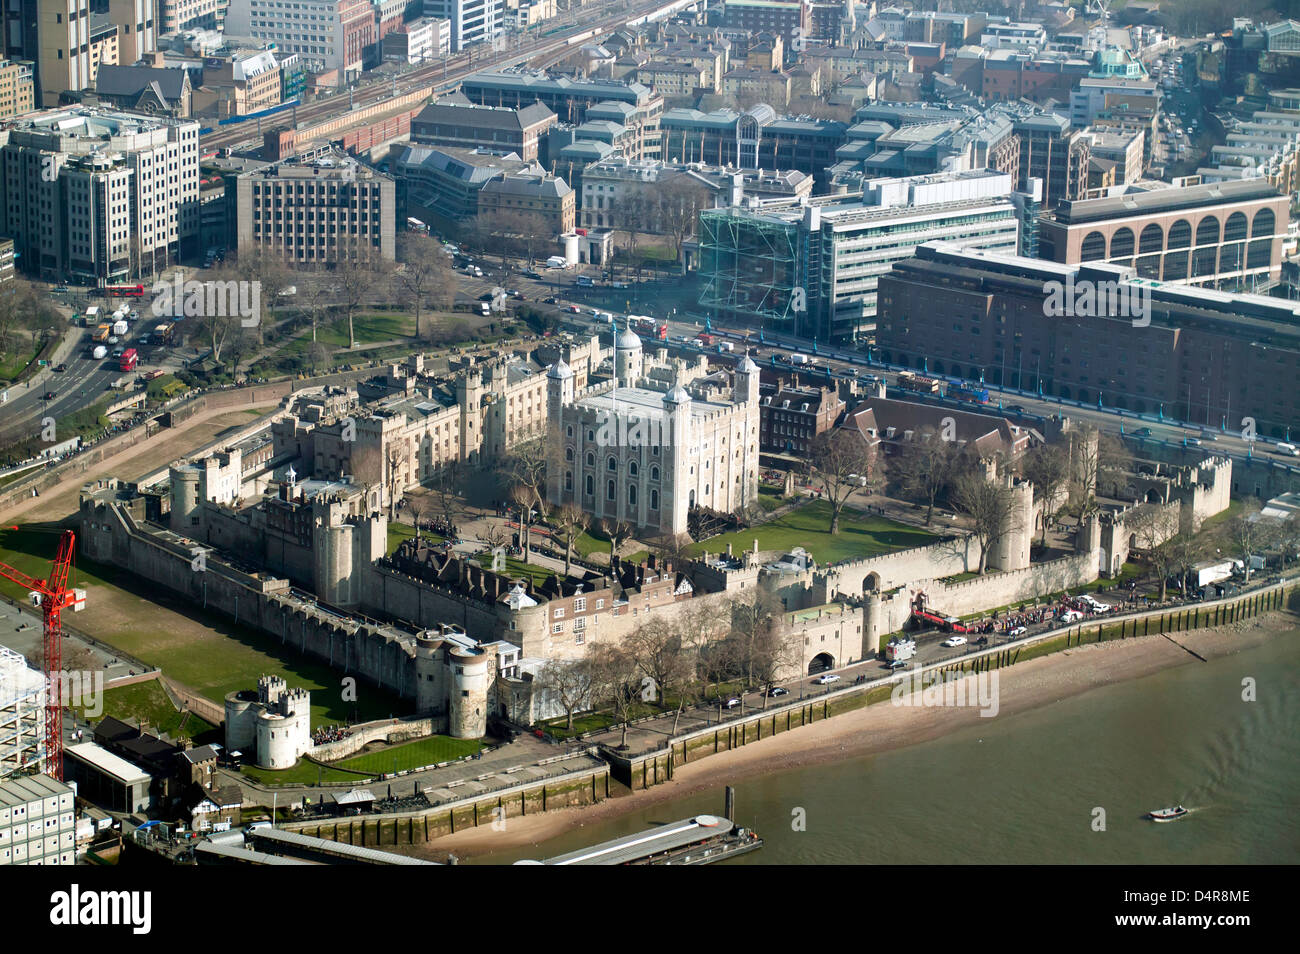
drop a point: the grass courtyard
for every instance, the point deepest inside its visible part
(205, 651)
(147, 704)
(860, 535)
(411, 755)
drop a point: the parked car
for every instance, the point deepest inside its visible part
(1142, 432)
(777, 691)
(954, 641)
(531, 273)
(731, 703)
(1070, 616)
(896, 665)
(826, 678)
(1017, 631)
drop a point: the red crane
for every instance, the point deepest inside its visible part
(55, 595)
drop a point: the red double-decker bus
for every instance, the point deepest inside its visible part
(130, 358)
(124, 291)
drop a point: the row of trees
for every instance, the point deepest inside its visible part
(1171, 554)
(678, 662)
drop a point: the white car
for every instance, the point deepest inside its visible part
(1096, 605)
(826, 678)
(1017, 631)
(954, 641)
(1070, 616)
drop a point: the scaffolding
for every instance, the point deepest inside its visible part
(22, 714)
(752, 266)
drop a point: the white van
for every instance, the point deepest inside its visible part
(557, 261)
(1288, 450)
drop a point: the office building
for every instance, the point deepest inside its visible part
(495, 128)
(810, 267)
(99, 196)
(17, 88)
(1225, 235)
(1196, 355)
(472, 21)
(318, 210)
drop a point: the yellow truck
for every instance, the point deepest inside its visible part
(102, 332)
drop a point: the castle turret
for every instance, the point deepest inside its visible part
(467, 712)
(469, 397)
(559, 394)
(746, 384)
(627, 358)
(677, 500)
(1011, 551)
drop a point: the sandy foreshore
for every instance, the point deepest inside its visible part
(882, 727)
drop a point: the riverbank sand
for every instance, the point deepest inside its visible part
(882, 727)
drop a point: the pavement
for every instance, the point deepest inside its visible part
(511, 764)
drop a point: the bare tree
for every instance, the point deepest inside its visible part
(272, 278)
(755, 630)
(1155, 529)
(678, 205)
(418, 506)
(656, 646)
(355, 278)
(841, 461)
(1247, 533)
(525, 470)
(1047, 467)
(618, 682)
(990, 504)
(571, 683)
(494, 535)
(422, 278)
(924, 467)
(570, 523)
(617, 532)
(448, 488)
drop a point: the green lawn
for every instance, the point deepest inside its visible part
(304, 773)
(145, 703)
(517, 568)
(409, 755)
(12, 363)
(368, 328)
(205, 651)
(808, 527)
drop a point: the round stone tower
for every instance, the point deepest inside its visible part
(332, 553)
(467, 712)
(184, 484)
(1011, 552)
(627, 358)
(430, 673)
(241, 720)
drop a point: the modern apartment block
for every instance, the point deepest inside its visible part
(1204, 356)
(63, 48)
(17, 88)
(22, 715)
(136, 37)
(178, 16)
(788, 19)
(98, 196)
(419, 42)
(810, 267)
(472, 21)
(1226, 235)
(37, 821)
(317, 210)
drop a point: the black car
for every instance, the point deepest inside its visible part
(777, 691)
(1017, 409)
(552, 300)
(1142, 432)
(61, 368)
(50, 395)
(537, 276)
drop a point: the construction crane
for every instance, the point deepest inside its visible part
(53, 596)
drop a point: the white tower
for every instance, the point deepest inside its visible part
(746, 386)
(677, 457)
(559, 394)
(627, 359)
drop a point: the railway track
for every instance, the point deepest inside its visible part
(435, 78)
